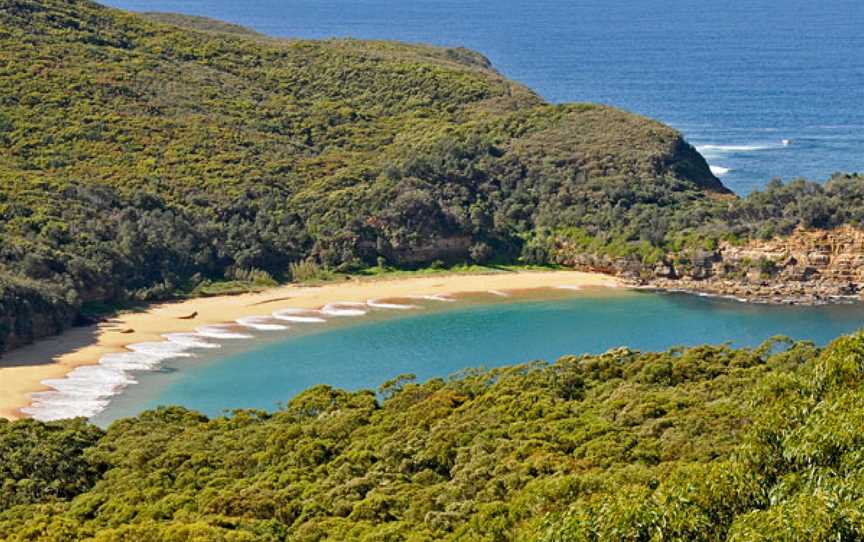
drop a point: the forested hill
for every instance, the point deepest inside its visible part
(707, 444)
(142, 155)
(206, 24)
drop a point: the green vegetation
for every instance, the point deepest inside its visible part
(146, 156)
(150, 156)
(203, 24)
(700, 444)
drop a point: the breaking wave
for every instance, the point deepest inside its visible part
(299, 315)
(87, 390)
(730, 149)
(261, 323)
(436, 297)
(221, 331)
(344, 309)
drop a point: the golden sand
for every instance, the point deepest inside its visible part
(23, 370)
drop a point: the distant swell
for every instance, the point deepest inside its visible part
(722, 152)
(729, 149)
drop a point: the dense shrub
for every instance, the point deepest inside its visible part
(707, 443)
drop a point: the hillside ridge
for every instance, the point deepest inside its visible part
(141, 160)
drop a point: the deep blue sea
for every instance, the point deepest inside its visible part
(737, 77)
(439, 339)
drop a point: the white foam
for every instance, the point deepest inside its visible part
(87, 390)
(727, 149)
(162, 350)
(261, 323)
(297, 315)
(339, 309)
(99, 380)
(787, 142)
(192, 340)
(53, 405)
(390, 306)
(220, 332)
(719, 171)
(499, 293)
(568, 287)
(130, 361)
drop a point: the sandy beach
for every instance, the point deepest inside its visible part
(23, 370)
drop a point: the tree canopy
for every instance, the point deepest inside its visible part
(701, 444)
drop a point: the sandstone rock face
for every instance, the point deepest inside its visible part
(806, 267)
(446, 249)
(835, 255)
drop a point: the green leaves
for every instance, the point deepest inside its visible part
(689, 444)
(41, 463)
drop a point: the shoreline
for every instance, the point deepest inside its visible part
(762, 293)
(23, 370)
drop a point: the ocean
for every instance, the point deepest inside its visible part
(764, 88)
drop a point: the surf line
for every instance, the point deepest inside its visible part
(87, 390)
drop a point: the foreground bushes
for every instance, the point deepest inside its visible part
(707, 443)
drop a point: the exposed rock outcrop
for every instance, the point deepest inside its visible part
(807, 267)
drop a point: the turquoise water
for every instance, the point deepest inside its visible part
(736, 77)
(443, 339)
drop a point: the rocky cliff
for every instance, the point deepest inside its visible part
(807, 267)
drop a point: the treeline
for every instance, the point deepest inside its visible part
(781, 208)
(700, 444)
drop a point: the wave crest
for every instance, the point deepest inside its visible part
(391, 306)
(344, 309)
(261, 323)
(298, 315)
